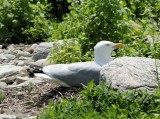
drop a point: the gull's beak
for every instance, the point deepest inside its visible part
(118, 45)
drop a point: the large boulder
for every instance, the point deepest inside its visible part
(127, 73)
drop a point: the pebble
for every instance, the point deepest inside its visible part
(3, 85)
(13, 63)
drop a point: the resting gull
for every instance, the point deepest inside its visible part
(76, 74)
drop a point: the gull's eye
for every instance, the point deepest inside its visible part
(107, 44)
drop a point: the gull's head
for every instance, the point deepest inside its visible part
(103, 50)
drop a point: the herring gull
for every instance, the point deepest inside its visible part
(76, 74)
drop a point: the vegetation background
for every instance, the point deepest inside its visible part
(85, 22)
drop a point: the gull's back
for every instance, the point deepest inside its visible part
(74, 74)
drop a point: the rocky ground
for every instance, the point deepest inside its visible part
(25, 96)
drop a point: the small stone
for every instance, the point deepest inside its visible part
(24, 54)
(10, 56)
(11, 46)
(4, 116)
(3, 85)
(8, 80)
(23, 58)
(41, 62)
(21, 79)
(20, 63)
(30, 50)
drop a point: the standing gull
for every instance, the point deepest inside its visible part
(76, 74)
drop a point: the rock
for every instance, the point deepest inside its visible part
(3, 85)
(20, 63)
(41, 62)
(8, 80)
(24, 54)
(31, 49)
(3, 116)
(9, 56)
(28, 81)
(127, 73)
(7, 70)
(21, 79)
(2, 57)
(42, 50)
(23, 58)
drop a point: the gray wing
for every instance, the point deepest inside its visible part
(74, 74)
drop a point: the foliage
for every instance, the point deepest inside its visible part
(102, 101)
(67, 51)
(123, 21)
(2, 96)
(58, 9)
(92, 21)
(41, 28)
(21, 21)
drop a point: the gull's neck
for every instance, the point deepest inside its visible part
(102, 58)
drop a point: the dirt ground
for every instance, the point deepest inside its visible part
(29, 100)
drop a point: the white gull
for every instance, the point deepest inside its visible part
(76, 74)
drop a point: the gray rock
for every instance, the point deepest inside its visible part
(8, 70)
(8, 80)
(34, 46)
(42, 50)
(10, 56)
(21, 79)
(41, 62)
(3, 85)
(23, 58)
(28, 82)
(2, 57)
(4, 116)
(127, 73)
(24, 53)
(11, 47)
(20, 63)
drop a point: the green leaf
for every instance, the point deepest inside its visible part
(6, 3)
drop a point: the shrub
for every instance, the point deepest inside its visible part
(102, 101)
(21, 21)
(92, 21)
(58, 9)
(67, 52)
(117, 21)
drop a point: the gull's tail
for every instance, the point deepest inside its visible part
(34, 69)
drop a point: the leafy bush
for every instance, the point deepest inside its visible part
(41, 28)
(123, 21)
(58, 9)
(21, 21)
(103, 102)
(68, 51)
(92, 21)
